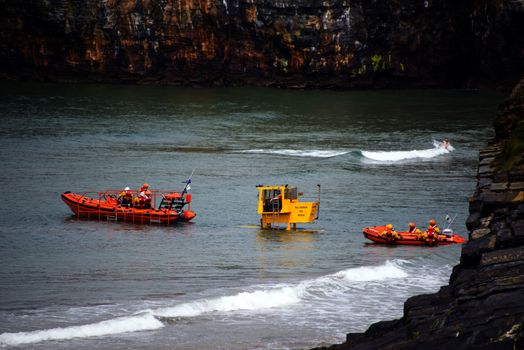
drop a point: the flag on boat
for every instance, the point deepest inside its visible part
(448, 218)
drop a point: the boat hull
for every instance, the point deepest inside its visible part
(109, 209)
(373, 234)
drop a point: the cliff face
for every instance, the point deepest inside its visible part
(483, 305)
(330, 43)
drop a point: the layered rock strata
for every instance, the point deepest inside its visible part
(483, 305)
(295, 43)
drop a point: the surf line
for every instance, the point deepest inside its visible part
(262, 298)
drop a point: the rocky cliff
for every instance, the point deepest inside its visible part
(302, 43)
(483, 305)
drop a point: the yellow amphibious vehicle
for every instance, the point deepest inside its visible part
(280, 205)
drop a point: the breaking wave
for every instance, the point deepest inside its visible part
(367, 273)
(114, 326)
(395, 156)
(259, 299)
(255, 298)
(297, 153)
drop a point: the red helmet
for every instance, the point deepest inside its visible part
(432, 222)
(145, 185)
(412, 224)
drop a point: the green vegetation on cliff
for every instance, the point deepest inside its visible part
(513, 152)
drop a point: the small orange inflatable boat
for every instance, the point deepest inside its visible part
(106, 206)
(406, 238)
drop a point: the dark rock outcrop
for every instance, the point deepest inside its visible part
(298, 43)
(483, 305)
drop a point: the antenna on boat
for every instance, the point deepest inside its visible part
(187, 187)
(449, 220)
(318, 205)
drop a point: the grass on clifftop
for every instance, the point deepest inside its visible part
(513, 152)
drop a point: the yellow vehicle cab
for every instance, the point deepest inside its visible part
(280, 205)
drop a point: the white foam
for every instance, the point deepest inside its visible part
(259, 298)
(114, 326)
(298, 153)
(395, 156)
(377, 273)
(283, 295)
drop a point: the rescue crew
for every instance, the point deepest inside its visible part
(125, 198)
(144, 196)
(430, 236)
(413, 228)
(143, 200)
(390, 234)
(434, 226)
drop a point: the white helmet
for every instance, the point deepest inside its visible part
(126, 189)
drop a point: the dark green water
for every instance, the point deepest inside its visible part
(219, 282)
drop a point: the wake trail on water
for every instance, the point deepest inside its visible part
(313, 153)
(377, 156)
(253, 298)
(395, 156)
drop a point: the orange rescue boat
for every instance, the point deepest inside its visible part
(407, 238)
(106, 206)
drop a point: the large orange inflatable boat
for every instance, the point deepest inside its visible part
(106, 206)
(406, 238)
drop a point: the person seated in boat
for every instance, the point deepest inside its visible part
(430, 236)
(434, 226)
(390, 234)
(444, 144)
(144, 200)
(121, 196)
(148, 199)
(413, 228)
(144, 197)
(126, 197)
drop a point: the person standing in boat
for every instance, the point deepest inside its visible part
(390, 234)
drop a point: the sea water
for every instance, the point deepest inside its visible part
(221, 282)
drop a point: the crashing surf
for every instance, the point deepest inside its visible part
(252, 299)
